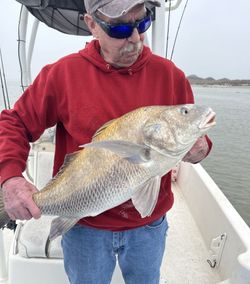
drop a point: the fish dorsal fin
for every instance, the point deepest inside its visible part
(135, 153)
(67, 160)
(102, 128)
(146, 197)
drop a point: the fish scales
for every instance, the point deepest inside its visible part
(102, 183)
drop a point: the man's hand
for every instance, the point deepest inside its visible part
(198, 152)
(18, 201)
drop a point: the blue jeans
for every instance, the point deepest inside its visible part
(90, 254)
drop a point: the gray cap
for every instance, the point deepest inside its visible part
(116, 8)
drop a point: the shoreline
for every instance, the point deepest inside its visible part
(220, 86)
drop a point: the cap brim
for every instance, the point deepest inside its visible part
(123, 7)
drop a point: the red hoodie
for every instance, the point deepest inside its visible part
(79, 93)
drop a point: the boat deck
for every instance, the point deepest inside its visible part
(185, 259)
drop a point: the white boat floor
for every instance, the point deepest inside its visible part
(185, 258)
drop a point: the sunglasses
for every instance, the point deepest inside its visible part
(125, 30)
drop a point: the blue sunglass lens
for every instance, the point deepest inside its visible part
(125, 30)
(144, 25)
(121, 31)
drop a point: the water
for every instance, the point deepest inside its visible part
(229, 162)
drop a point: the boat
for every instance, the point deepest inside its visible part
(208, 242)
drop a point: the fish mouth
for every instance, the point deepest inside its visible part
(209, 120)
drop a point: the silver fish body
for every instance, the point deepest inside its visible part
(125, 160)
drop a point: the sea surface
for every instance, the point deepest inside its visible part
(229, 161)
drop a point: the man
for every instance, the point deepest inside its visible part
(114, 74)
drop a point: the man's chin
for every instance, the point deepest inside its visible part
(129, 59)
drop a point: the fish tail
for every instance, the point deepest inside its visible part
(4, 218)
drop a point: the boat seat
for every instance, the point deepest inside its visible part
(32, 239)
(32, 251)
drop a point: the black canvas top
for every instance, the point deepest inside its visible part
(63, 15)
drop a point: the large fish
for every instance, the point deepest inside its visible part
(125, 160)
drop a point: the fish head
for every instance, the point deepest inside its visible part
(174, 129)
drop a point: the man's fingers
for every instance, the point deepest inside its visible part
(12, 216)
(24, 214)
(21, 214)
(34, 210)
(18, 200)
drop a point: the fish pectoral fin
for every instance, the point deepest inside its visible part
(60, 226)
(146, 197)
(135, 153)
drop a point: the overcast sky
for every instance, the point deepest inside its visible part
(214, 39)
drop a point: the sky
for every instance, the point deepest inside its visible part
(213, 40)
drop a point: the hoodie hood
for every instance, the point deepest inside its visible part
(92, 53)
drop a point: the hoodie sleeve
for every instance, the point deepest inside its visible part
(31, 115)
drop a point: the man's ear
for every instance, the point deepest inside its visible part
(91, 25)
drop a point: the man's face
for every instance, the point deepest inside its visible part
(121, 52)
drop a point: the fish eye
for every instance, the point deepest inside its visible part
(184, 110)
